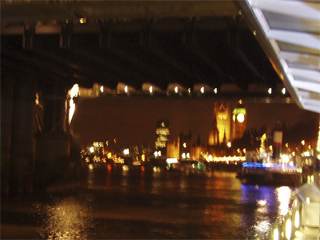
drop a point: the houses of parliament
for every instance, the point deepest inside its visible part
(227, 125)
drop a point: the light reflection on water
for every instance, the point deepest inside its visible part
(66, 219)
(270, 204)
(215, 206)
(284, 196)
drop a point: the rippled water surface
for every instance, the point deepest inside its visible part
(158, 204)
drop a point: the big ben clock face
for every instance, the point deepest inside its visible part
(240, 117)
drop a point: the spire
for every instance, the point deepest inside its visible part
(214, 133)
(224, 137)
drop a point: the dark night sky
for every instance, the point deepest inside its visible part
(133, 120)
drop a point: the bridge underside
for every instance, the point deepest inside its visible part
(165, 44)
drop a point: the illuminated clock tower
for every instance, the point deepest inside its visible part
(239, 121)
(220, 133)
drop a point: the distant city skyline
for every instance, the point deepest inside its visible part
(133, 120)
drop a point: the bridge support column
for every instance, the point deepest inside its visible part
(7, 85)
(53, 144)
(21, 167)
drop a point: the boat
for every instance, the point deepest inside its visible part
(270, 173)
(187, 167)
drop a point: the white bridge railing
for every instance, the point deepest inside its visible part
(302, 221)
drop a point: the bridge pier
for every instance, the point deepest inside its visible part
(18, 128)
(31, 158)
(7, 86)
(53, 143)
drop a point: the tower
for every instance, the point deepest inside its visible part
(214, 133)
(163, 133)
(239, 121)
(223, 122)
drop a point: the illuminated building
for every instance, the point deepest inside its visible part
(214, 133)
(185, 146)
(163, 134)
(173, 149)
(97, 148)
(183, 149)
(196, 152)
(222, 124)
(239, 121)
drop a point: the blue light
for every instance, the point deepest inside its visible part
(266, 165)
(252, 164)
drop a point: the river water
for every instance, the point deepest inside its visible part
(157, 204)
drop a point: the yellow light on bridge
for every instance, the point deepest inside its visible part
(73, 92)
(284, 91)
(37, 99)
(202, 90)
